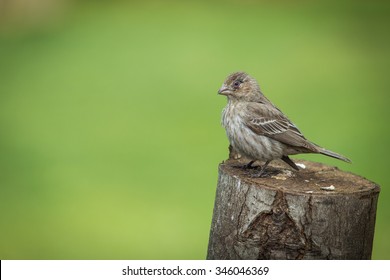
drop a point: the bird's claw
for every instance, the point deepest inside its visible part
(246, 166)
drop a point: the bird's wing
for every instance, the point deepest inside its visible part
(269, 121)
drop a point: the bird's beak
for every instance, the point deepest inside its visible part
(224, 90)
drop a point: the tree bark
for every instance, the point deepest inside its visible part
(318, 212)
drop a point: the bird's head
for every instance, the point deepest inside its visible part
(240, 86)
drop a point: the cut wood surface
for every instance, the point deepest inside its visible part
(319, 212)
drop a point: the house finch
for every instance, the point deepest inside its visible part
(257, 129)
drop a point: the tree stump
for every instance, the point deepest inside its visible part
(319, 212)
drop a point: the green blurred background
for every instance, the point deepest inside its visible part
(110, 131)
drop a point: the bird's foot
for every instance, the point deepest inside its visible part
(246, 166)
(262, 173)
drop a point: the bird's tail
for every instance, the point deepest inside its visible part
(333, 155)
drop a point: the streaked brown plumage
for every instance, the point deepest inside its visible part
(257, 129)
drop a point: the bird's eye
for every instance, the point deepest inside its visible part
(237, 84)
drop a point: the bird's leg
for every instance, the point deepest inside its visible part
(249, 165)
(260, 174)
(246, 166)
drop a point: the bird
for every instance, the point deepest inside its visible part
(258, 130)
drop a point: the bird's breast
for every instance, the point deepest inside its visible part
(231, 120)
(244, 140)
